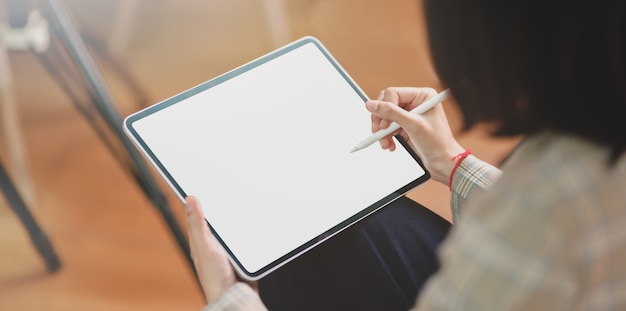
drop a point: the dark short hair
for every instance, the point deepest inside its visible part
(529, 65)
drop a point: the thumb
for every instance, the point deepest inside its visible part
(390, 112)
(197, 229)
(194, 216)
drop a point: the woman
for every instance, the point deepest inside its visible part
(549, 231)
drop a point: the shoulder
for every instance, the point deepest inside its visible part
(559, 189)
(562, 189)
(550, 232)
(552, 172)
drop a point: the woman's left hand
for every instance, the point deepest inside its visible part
(214, 271)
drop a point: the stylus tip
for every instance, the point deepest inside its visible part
(355, 149)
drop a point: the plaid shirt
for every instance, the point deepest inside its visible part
(239, 297)
(550, 234)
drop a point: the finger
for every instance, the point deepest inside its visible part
(201, 239)
(375, 123)
(410, 97)
(393, 113)
(387, 142)
(390, 95)
(195, 218)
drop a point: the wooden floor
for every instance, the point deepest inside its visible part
(116, 251)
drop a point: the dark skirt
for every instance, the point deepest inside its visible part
(380, 263)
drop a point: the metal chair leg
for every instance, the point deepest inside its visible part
(37, 236)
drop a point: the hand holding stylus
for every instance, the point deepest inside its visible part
(383, 132)
(426, 129)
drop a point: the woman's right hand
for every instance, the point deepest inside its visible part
(428, 134)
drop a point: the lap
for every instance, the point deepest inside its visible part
(380, 263)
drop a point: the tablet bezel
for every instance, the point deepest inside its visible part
(151, 157)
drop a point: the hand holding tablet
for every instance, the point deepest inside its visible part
(265, 149)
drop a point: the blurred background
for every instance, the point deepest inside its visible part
(116, 250)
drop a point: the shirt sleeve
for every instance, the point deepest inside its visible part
(472, 177)
(239, 297)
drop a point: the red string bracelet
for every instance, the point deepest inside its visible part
(459, 158)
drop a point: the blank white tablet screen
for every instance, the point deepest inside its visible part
(267, 153)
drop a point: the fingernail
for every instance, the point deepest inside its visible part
(187, 206)
(371, 105)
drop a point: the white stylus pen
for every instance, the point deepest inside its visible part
(423, 107)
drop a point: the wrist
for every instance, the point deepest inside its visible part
(457, 159)
(441, 167)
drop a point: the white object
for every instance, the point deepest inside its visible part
(34, 35)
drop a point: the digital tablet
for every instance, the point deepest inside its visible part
(266, 150)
